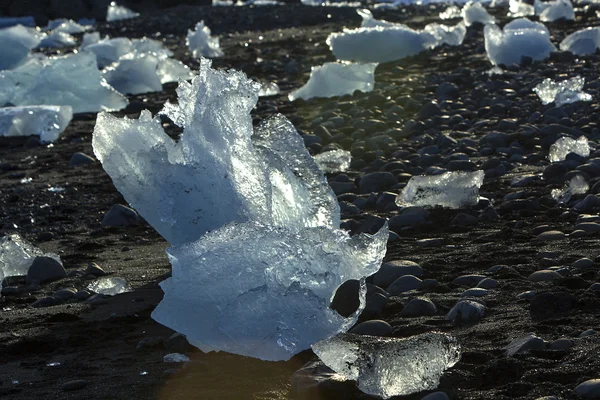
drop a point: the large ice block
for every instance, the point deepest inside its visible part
(337, 79)
(263, 291)
(450, 189)
(116, 12)
(581, 42)
(72, 80)
(563, 92)
(48, 122)
(387, 367)
(475, 12)
(566, 145)
(201, 43)
(16, 43)
(549, 11)
(220, 166)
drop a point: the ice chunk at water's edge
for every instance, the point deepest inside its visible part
(116, 12)
(566, 145)
(549, 11)
(564, 92)
(109, 285)
(475, 13)
(577, 185)
(584, 41)
(389, 367)
(16, 256)
(334, 161)
(46, 121)
(201, 43)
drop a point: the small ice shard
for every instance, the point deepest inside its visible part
(16, 41)
(57, 40)
(48, 122)
(584, 41)
(387, 367)
(518, 8)
(109, 50)
(452, 12)
(563, 92)
(450, 35)
(72, 80)
(66, 26)
(476, 13)
(109, 285)
(16, 256)
(549, 11)
(201, 43)
(450, 189)
(577, 185)
(118, 13)
(175, 358)
(264, 291)
(334, 161)
(269, 89)
(519, 38)
(6, 22)
(566, 145)
(336, 79)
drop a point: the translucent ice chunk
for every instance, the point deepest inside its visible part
(72, 80)
(337, 79)
(518, 39)
(269, 89)
(389, 367)
(109, 50)
(57, 40)
(450, 189)
(518, 8)
(450, 35)
(577, 185)
(66, 26)
(473, 12)
(549, 11)
(109, 285)
(219, 165)
(16, 43)
(264, 291)
(48, 122)
(90, 38)
(118, 13)
(16, 256)
(201, 43)
(584, 41)
(452, 12)
(564, 92)
(566, 145)
(334, 161)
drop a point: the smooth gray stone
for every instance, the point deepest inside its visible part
(487, 283)
(525, 343)
(376, 182)
(45, 269)
(375, 327)
(65, 294)
(466, 311)
(404, 284)
(595, 287)
(94, 269)
(561, 344)
(589, 389)
(436, 396)
(588, 227)
(530, 294)
(544, 275)
(419, 307)
(346, 301)
(474, 292)
(550, 236)
(74, 385)
(409, 218)
(393, 270)
(78, 159)
(120, 215)
(583, 263)
(589, 332)
(468, 280)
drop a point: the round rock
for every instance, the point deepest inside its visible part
(404, 284)
(119, 215)
(346, 300)
(419, 307)
(44, 269)
(487, 283)
(436, 396)
(544, 275)
(589, 389)
(80, 159)
(466, 311)
(74, 385)
(468, 280)
(561, 344)
(393, 270)
(583, 263)
(375, 327)
(475, 292)
(376, 182)
(551, 235)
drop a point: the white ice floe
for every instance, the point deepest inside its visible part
(549, 11)
(518, 8)
(72, 80)
(519, 38)
(109, 285)
(450, 189)
(269, 89)
(17, 41)
(17, 255)
(387, 367)
(334, 161)
(566, 145)
(475, 12)
(452, 12)
(577, 185)
(47, 122)
(337, 79)
(66, 26)
(201, 43)
(584, 41)
(563, 92)
(116, 12)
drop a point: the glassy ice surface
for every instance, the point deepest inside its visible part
(334, 161)
(518, 8)
(563, 92)
(220, 165)
(450, 35)
(577, 185)
(475, 12)
(109, 285)
(47, 122)
(16, 43)
(566, 145)
(519, 38)
(389, 367)
(117, 13)
(549, 11)
(72, 80)
(269, 89)
(16, 256)
(337, 79)
(6, 22)
(264, 291)
(201, 43)
(109, 50)
(584, 41)
(450, 189)
(66, 26)
(57, 40)
(452, 12)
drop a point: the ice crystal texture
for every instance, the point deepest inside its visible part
(564, 92)
(47, 122)
(337, 79)
(584, 41)
(549, 11)
(577, 185)
(16, 41)
(387, 367)
(476, 13)
(202, 43)
(334, 161)
(109, 285)
(16, 256)
(117, 13)
(566, 145)
(450, 189)
(72, 80)
(519, 38)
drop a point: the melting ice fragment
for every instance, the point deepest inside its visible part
(450, 189)
(564, 92)
(520, 37)
(16, 41)
(57, 40)
(269, 89)
(566, 145)
(334, 161)
(16, 256)
(264, 291)
(450, 35)
(584, 41)
(109, 286)
(452, 12)
(389, 367)
(66, 26)
(109, 50)
(549, 11)
(518, 8)
(577, 185)
(48, 122)
(117, 13)
(201, 43)
(473, 12)
(337, 79)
